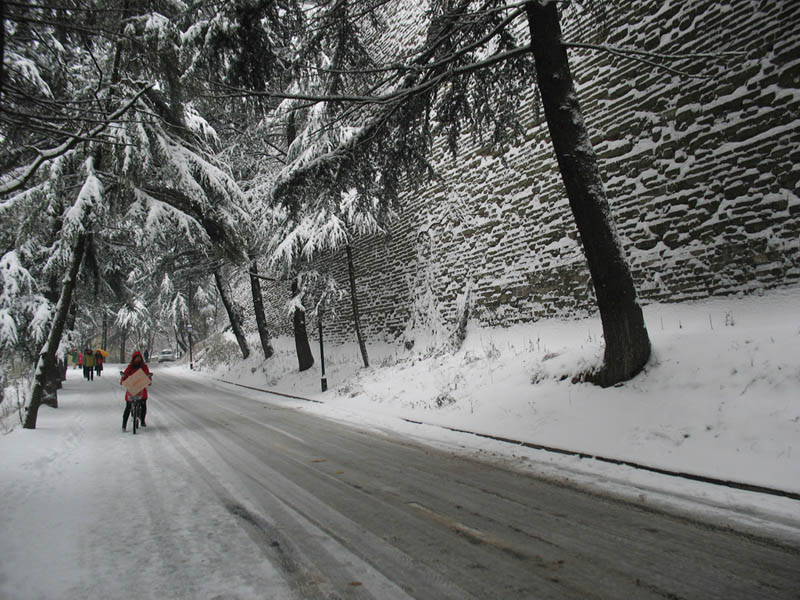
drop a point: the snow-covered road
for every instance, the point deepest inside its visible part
(226, 496)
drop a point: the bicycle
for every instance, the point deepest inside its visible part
(136, 411)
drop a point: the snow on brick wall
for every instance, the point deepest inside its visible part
(701, 173)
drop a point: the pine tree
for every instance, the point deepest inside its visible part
(143, 139)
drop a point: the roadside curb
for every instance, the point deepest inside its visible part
(625, 463)
(582, 455)
(281, 394)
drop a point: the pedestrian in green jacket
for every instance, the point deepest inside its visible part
(88, 364)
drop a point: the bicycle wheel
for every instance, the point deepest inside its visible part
(135, 415)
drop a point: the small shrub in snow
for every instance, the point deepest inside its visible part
(444, 399)
(470, 357)
(12, 403)
(350, 389)
(388, 361)
(534, 346)
(491, 350)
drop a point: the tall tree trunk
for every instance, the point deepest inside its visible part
(258, 306)
(304, 356)
(53, 292)
(123, 336)
(2, 47)
(46, 366)
(104, 341)
(627, 343)
(52, 383)
(233, 315)
(351, 271)
(180, 340)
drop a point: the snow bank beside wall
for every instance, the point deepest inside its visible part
(702, 176)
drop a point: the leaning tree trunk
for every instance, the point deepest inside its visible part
(233, 316)
(627, 344)
(304, 356)
(52, 380)
(258, 306)
(52, 383)
(351, 271)
(46, 364)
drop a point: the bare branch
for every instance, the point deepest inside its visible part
(389, 98)
(680, 56)
(650, 58)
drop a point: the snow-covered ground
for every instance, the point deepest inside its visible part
(720, 398)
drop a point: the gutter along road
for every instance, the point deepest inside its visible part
(345, 512)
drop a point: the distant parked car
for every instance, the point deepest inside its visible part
(166, 355)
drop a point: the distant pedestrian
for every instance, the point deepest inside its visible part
(88, 364)
(98, 362)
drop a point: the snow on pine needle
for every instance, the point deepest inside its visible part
(161, 219)
(90, 198)
(19, 302)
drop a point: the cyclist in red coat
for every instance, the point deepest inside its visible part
(137, 362)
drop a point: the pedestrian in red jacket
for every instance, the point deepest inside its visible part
(137, 362)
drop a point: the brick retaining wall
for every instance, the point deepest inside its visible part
(702, 176)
